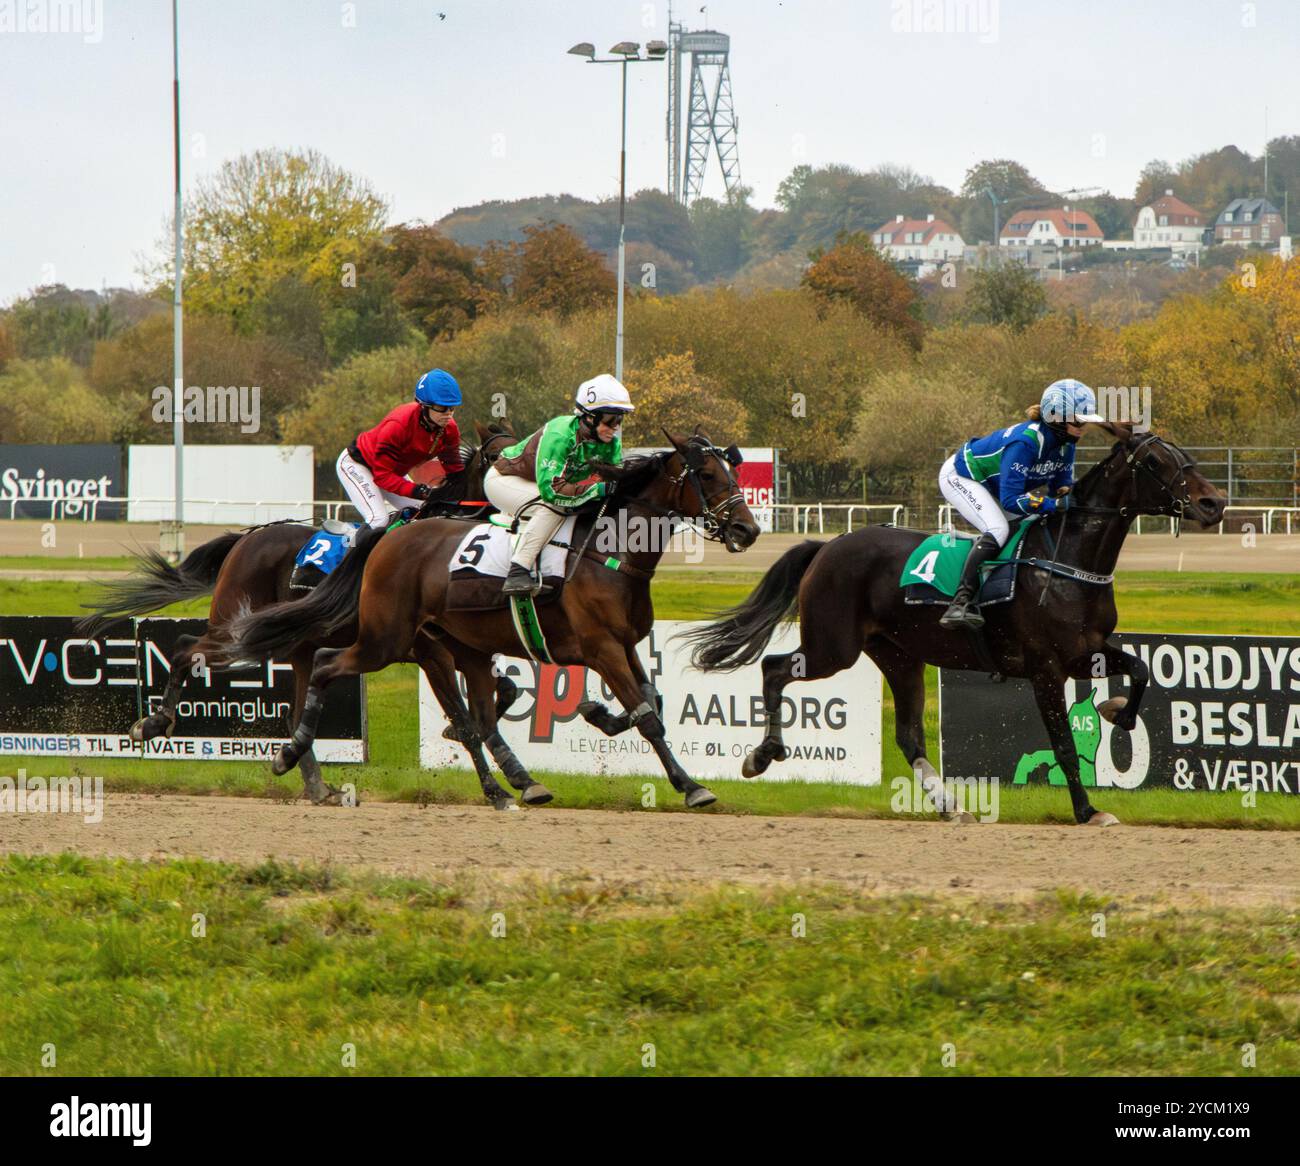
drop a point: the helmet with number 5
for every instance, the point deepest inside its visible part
(603, 394)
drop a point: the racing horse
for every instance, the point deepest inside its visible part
(601, 613)
(1058, 625)
(251, 568)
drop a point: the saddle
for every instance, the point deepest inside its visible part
(933, 569)
(481, 562)
(321, 553)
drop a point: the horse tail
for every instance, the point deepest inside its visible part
(155, 583)
(740, 634)
(277, 629)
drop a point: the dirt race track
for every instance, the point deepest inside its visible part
(1191, 867)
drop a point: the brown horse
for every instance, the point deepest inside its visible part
(251, 569)
(400, 588)
(1057, 626)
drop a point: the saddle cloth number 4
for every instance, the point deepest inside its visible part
(924, 570)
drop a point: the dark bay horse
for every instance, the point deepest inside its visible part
(251, 569)
(1057, 626)
(400, 587)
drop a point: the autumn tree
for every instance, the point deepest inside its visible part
(855, 272)
(552, 270)
(672, 394)
(267, 216)
(435, 281)
(1009, 293)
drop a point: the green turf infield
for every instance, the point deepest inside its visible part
(1224, 603)
(303, 971)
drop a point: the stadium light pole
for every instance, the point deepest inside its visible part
(626, 53)
(174, 543)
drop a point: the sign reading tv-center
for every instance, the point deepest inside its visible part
(713, 720)
(64, 693)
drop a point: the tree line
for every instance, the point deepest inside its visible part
(295, 282)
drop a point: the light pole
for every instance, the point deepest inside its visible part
(626, 52)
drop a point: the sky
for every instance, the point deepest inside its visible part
(483, 102)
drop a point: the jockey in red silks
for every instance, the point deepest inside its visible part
(373, 468)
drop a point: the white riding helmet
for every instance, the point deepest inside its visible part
(603, 394)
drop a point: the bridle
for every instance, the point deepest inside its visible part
(715, 518)
(1176, 479)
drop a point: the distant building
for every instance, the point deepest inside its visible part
(906, 238)
(1169, 223)
(1050, 228)
(1248, 220)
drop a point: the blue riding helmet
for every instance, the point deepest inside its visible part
(437, 387)
(1069, 402)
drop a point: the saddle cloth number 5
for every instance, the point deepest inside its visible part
(472, 551)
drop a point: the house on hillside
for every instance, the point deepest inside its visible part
(1169, 223)
(1051, 228)
(932, 240)
(1248, 220)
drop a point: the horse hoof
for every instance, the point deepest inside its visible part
(752, 766)
(589, 708)
(700, 797)
(536, 795)
(1110, 709)
(960, 818)
(137, 732)
(505, 804)
(325, 795)
(450, 734)
(283, 762)
(1101, 818)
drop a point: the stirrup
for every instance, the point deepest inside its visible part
(962, 613)
(520, 582)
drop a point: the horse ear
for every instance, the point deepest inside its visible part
(1120, 430)
(678, 443)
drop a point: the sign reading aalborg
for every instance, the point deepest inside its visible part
(832, 727)
(64, 693)
(1220, 713)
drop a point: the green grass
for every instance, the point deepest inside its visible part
(102, 963)
(67, 563)
(1152, 601)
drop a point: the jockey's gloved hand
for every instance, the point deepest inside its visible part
(1063, 502)
(422, 491)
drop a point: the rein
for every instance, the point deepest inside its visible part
(1177, 478)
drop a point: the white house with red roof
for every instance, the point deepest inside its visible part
(1051, 228)
(1169, 223)
(931, 239)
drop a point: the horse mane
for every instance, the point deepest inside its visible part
(637, 473)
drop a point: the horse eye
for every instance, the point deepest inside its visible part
(1153, 462)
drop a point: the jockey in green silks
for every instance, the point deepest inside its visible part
(549, 473)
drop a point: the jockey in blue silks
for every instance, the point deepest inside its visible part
(1024, 469)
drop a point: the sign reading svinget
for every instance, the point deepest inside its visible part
(63, 693)
(713, 720)
(1220, 713)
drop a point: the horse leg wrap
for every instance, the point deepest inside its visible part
(646, 720)
(305, 733)
(506, 760)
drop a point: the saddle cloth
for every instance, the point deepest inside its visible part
(326, 547)
(933, 569)
(482, 560)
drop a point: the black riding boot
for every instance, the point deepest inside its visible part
(520, 581)
(964, 611)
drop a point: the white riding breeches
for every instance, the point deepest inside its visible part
(376, 505)
(509, 493)
(974, 502)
